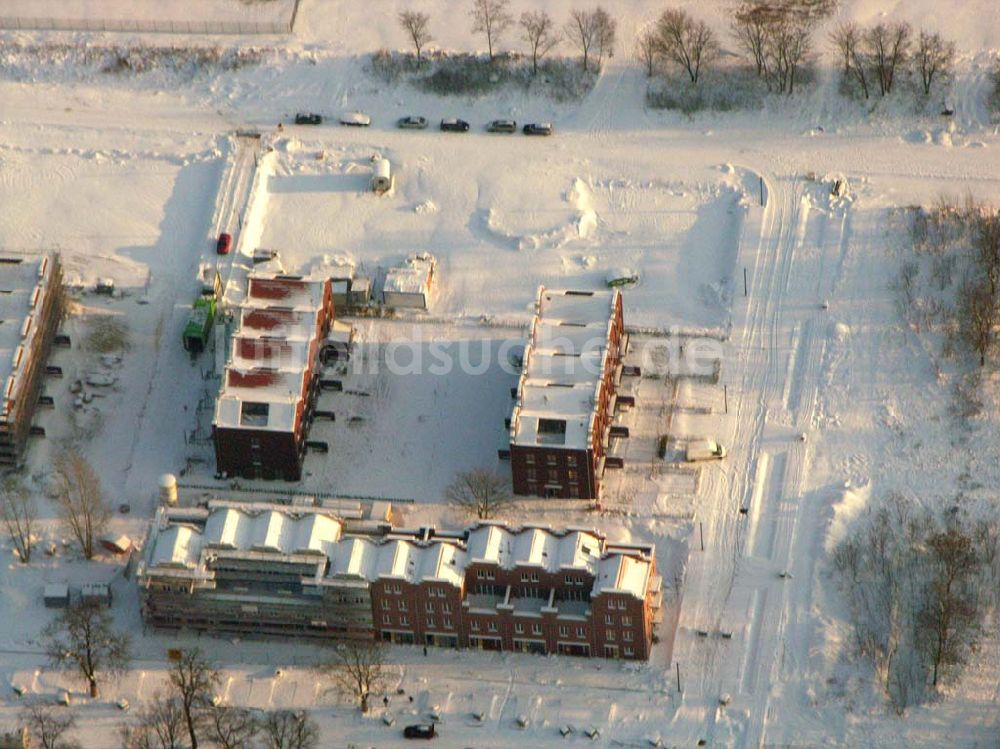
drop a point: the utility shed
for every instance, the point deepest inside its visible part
(56, 596)
(409, 285)
(97, 593)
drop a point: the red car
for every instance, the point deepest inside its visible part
(224, 243)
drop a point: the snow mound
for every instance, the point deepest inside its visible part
(583, 200)
(851, 502)
(427, 207)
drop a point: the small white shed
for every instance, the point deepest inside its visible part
(381, 176)
(410, 284)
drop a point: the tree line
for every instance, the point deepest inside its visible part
(776, 39)
(591, 32)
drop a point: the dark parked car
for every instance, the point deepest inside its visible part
(224, 243)
(538, 128)
(454, 125)
(502, 126)
(412, 122)
(307, 118)
(424, 731)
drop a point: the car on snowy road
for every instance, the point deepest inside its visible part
(308, 118)
(422, 731)
(454, 125)
(223, 244)
(538, 128)
(355, 119)
(502, 126)
(412, 122)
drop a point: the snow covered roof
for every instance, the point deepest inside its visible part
(185, 544)
(266, 377)
(564, 365)
(530, 546)
(24, 280)
(622, 573)
(413, 277)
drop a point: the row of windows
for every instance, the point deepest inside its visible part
(627, 636)
(530, 474)
(551, 459)
(402, 605)
(431, 622)
(396, 589)
(610, 620)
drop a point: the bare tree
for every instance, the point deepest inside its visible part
(481, 492)
(750, 27)
(194, 680)
(686, 42)
(19, 515)
(607, 29)
(787, 47)
(648, 51)
(417, 27)
(84, 639)
(232, 727)
(935, 57)
(284, 729)
(81, 501)
(540, 34)
(847, 38)
(159, 725)
(492, 18)
(888, 46)
(49, 726)
(950, 616)
(583, 32)
(977, 309)
(358, 669)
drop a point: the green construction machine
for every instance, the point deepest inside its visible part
(199, 324)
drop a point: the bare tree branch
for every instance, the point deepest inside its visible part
(232, 727)
(492, 18)
(357, 668)
(480, 492)
(417, 27)
(83, 638)
(686, 42)
(48, 726)
(81, 500)
(194, 680)
(284, 729)
(540, 34)
(647, 50)
(934, 57)
(19, 515)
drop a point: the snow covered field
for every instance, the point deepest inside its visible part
(824, 400)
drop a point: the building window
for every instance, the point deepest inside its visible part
(630, 652)
(518, 628)
(531, 474)
(403, 605)
(627, 635)
(571, 460)
(394, 588)
(446, 608)
(430, 622)
(385, 605)
(491, 626)
(386, 619)
(474, 626)
(563, 630)
(608, 619)
(529, 459)
(553, 475)
(536, 628)
(610, 634)
(571, 474)
(550, 459)
(626, 621)
(404, 621)
(621, 604)
(429, 607)
(447, 622)
(569, 580)
(579, 632)
(524, 577)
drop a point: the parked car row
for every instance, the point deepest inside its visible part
(416, 122)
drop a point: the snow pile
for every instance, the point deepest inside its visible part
(850, 503)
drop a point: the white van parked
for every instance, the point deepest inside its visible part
(704, 449)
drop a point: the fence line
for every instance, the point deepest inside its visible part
(19, 23)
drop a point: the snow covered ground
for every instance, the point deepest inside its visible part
(132, 178)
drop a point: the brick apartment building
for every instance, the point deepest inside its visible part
(565, 401)
(271, 382)
(292, 571)
(31, 306)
